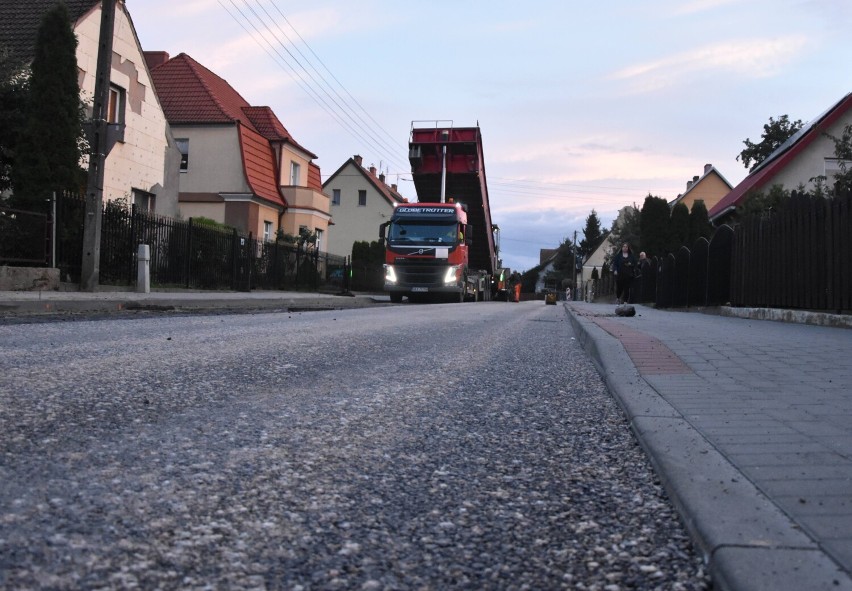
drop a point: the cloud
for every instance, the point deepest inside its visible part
(701, 6)
(752, 58)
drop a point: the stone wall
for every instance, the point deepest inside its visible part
(29, 278)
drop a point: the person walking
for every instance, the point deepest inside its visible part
(623, 267)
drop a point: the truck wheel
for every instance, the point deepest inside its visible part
(396, 298)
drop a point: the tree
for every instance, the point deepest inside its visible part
(775, 133)
(654, 223)
(758, 202)
(625, 228)
(592, 235)
(49, 147)
(14, 87)
(679, 226)
(699, 222)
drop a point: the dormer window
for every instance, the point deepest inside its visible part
(294, 174)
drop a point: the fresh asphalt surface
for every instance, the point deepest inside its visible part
(748, 422)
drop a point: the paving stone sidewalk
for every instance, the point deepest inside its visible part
(749, 424)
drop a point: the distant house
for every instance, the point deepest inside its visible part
(142, 164)
(360, 202)
(240, 166)
(596, 260)
(806, 155)
(710, 188)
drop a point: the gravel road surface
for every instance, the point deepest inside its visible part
(467, 446)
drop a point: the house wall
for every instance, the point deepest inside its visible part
(811, 161)
(711, 189)
(306, 207)
(597, 259)
(214, 161)
(353, 222)
(142, 160)
(287, 156)
(213, 211)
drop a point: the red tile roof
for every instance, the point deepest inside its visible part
(191, 94)
(259, 166)
(780, 158)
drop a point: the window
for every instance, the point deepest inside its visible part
(182, 144)
(143, 200)
(318, 243)
(115, 106)
(335, 196)
(294, 174)
(267, 230)
(362, 197)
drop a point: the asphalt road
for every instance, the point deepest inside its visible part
(467, 446)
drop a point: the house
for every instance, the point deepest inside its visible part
(710, 188)
(360, 202)
(597, 260)
(239, 166)
(808, 154)
(142, 165)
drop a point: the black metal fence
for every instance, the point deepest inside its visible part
(183, 253)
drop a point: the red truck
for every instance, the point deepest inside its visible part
(444, 246)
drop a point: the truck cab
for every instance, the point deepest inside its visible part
(425, 251)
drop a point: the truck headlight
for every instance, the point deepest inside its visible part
(390, 274)
(452, 275)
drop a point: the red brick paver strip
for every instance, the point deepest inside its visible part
(649, 355)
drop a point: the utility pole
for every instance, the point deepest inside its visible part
(574, 265)
(89, 277)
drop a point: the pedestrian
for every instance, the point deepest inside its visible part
(624, 267)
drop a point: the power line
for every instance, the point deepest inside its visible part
(315, 86)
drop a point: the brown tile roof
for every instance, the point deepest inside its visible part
(19, 23)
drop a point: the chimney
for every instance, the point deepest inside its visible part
(393, 188)
(382, 177)
(357, 159)
(694, 179)
(708, 168)
(155, 58)
(689, 185)
(373, 170)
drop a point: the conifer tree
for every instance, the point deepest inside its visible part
(654, 222)
(679, 227)
(48, 149)
(699, 222)
(592, 235)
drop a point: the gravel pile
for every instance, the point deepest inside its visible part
(301, 452)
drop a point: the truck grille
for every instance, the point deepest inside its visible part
(420, 275)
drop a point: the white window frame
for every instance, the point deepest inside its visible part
(295, 172)
(182, 144)
(115, 105)
(362, 198)
(267, 230)
(335, 196)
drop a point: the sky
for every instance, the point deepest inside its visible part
(582, 106)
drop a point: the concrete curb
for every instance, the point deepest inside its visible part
(130, 302)
(748, 543)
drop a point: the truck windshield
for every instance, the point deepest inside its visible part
(423, 233)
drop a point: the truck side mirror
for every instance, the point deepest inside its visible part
(382, 228)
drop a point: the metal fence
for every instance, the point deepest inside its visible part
(184, 253)
(25, 237)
